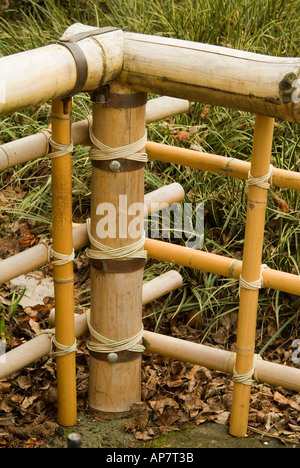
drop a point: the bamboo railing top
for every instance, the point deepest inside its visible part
(198, 72)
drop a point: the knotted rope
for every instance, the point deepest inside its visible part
(103, 152)
(105, 252)
(63, 349)
(245, 379)
(261, 181)
(105, 345)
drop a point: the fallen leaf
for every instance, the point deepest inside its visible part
(181, 136)
(28, 240)
(168, 418)
(35, 326)
(205, 112)
(282, 400)
(281, 204)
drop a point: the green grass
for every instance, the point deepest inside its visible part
(267, 27)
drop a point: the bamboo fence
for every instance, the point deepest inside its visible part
(119, 68)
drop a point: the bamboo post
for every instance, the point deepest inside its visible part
(63, 273)
(251, 272)
(116, 285)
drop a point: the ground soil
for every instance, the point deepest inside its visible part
(108, 432)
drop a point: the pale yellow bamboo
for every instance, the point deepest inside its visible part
(36, 76)
(251, 271)
(63, 274)
(35, 146)
(279, 375)
(224, 361)
(210, 74)
(230, 78)
(38, 347)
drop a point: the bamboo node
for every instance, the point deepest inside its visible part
(261, 181)
(253, 285)
(103, 152)
(105, 345)
(105, 252)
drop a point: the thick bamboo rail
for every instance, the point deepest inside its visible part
(34, 147)
(63, 274)
(26, 76)
(40, 346)
(230, 78)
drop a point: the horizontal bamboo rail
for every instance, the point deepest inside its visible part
(40, 346)
(33, 147)
(218, 264)
(26, 79)
(230, 78)
(38, 256)
(182, 350)
(220, 360)
(215, 75)
(230, 167)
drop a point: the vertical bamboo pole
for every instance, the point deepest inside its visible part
(63, 274)
(116, 285)
(254, 235)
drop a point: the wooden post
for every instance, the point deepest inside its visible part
(251, 272)
(63, 274)
(116, 285)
